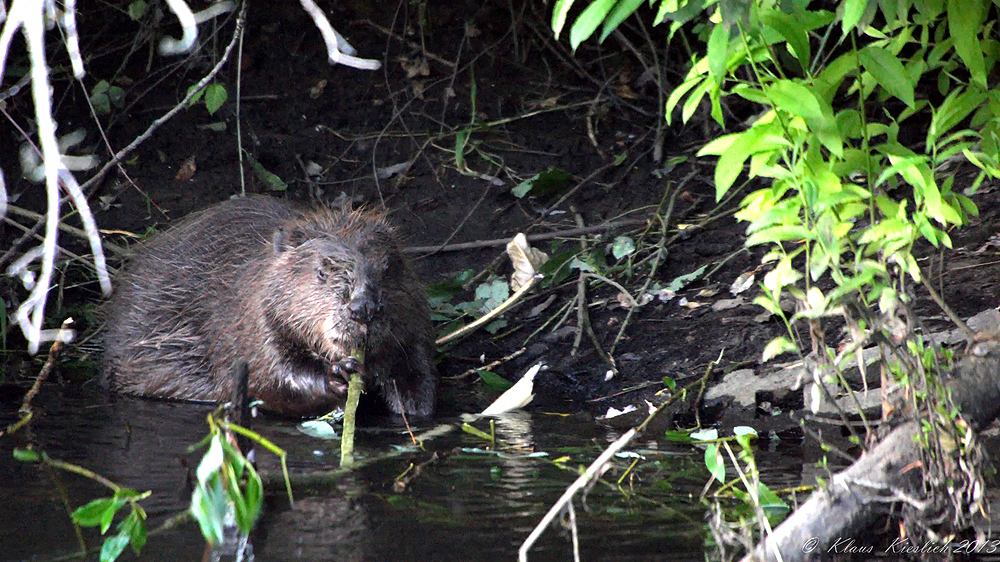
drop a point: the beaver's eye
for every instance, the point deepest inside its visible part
(321, 275)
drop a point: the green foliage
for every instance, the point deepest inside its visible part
(270, 179)
(104, 95)
(214, 94)
(494, 381)
(543, 184)
(847, 194)
(101, 512)
(137, 9)
(488, 295)
(227, 488)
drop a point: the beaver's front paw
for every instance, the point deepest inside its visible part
(345, 368)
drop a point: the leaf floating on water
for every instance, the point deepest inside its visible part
(614, 412)
(320, 429)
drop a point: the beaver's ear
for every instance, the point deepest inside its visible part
(281, 241)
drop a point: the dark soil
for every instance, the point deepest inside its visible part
(533, 106)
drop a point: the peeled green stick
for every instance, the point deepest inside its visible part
(354, 389)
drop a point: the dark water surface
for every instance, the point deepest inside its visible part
(471, 504)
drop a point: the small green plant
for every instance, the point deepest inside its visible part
(131, 531)
(137, 9)
(859, 109)
(228, 489)
(743, 499)
(104, 96)
(214, 95)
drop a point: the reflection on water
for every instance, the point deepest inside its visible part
(471, 504)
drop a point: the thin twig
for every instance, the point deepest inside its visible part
(50, 363)
(491, 365)
(660, 249)
(970, 336)
(567, 233)
(511, 301)
(579, 484)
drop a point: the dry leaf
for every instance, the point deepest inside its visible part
(742, 283)
(187, 170)
(317, 90)
(525, 259)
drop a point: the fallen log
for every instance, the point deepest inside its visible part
(842, 519)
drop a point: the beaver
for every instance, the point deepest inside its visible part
(294, 292)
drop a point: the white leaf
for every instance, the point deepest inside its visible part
(526, 261)
(517, 396)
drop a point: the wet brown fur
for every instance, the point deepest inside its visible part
(290, 291)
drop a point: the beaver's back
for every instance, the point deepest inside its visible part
(155, 337)
(290, 291)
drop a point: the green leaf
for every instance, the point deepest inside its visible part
(715, 463)
(781, 276)
(776, 347)
(744, 430)
(113, 547)
(109, 513)
(623, 246)
(769, 499)
(215, 96)
(245, 500)
(794, 33)
(683, 280)
(853, 10)
(952, 111)
(678, 93)
(90, 515)
(705, 87)
(99, 98)
(492, 294)
(27, 455)
(763, 137)
(135, 527)
(670, 383)
(494, 380)
(209, 508)
(677, 436)
(274, 183)
(965, 19)
(559, 13)
(780, 233)
(795, 99)
(543, 184)
(587, 23)
(197, 95)
(718, 52)
(888, 72)
(137, 9)
(800, 100)
(622, 10)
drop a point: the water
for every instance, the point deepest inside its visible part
(469, 504)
